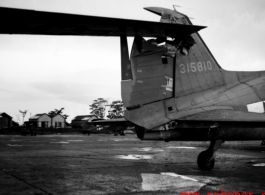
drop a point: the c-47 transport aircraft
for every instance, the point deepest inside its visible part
(172, 86)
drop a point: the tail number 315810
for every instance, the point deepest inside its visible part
(195, 66)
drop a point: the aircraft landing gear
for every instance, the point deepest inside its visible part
(206, 159)
(122, 133)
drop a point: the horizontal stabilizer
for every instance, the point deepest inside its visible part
(21, 21)
(157, 10)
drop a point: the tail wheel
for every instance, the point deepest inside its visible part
(139, 131)
(205, 160)
(122, 133)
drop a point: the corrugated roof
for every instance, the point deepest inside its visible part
(36, 116)
(83, 117)
(52, 116)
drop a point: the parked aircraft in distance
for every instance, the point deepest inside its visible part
(117, 126)
(172, 86)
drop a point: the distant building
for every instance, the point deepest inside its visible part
(5, 120)
(81, 121)
(46, 121)
(67, 125)
(15, 124)
(41, 120)
(58, 121)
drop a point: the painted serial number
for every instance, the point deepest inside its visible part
(195, 66)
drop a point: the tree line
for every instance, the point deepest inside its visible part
(98, 108)
(100, 105)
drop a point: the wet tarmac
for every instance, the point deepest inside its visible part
(107, 164)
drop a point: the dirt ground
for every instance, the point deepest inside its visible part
(107, 164)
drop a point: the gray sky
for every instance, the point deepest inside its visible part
(41, 73)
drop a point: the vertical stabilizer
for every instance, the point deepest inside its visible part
(196, 68)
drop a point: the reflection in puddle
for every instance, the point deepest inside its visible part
(75, 140)
(259, 165)
(134, 157)
(60, 142)
(149, 149)
(169, 182)
(182, 147)
(252, 161)
(124, 139)
(14, 145)
(181, 176)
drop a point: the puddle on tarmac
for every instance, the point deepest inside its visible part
(259, 165)
(149, 149)
(125, 139)
(181, 147)
(75, 140)
(134, 157)
(14, 145)
(181, 176)
(252, 161)
(59, 142)
(169, 182)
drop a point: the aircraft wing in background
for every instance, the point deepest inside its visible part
(116, 126)
(111, 121)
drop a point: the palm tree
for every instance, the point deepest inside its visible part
(23, 114)
(56, 112)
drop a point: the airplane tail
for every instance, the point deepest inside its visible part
(196, 67)
(163, 68)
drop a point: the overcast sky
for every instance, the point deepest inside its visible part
(43, 73)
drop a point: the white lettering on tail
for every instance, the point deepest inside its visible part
(195, 67)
